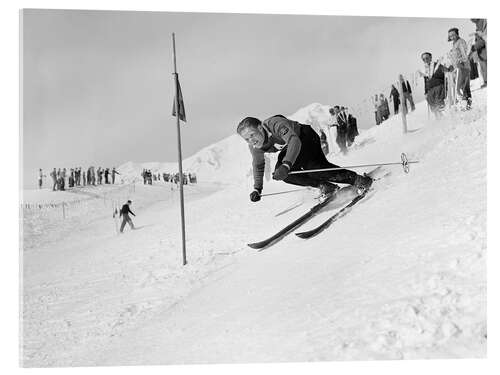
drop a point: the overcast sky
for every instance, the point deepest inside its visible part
(98, 87)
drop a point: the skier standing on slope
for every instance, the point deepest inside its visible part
(125, 211)
(300, 148)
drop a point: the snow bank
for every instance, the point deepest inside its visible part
(402, 276)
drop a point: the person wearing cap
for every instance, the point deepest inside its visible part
(124, 212)
(299, 148)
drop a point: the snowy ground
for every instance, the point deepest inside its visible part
(402, 276)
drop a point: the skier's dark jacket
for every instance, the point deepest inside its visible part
(125, 210)
(280, 132)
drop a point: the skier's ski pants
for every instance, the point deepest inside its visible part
(311, 157)
(126, 219)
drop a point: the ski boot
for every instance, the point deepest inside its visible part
(468, 106)
(327, 189)
(363, 183)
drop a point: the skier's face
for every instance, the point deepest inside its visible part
(254, 137)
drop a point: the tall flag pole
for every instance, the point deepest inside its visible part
(180, 114)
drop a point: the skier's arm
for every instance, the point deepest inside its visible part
(258, 167)
(286, 132)
(131, 212)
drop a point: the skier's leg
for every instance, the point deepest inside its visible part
(124, 221)
(129, 220)
(311, 157)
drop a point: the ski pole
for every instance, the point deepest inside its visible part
(282, 192)
(404, 162)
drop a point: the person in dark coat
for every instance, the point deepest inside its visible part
(407, 94)
(384, 107)
(106, 176)
(434, 83)
(124, 212)
(352, 129)
(341, 128)
(478, 49)
(299, 148)
(395, 99)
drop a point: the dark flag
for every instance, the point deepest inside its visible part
(182, 111)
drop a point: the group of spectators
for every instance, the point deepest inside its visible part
(452, 78)
(78, 177)
(381, 103)
(443, 78)
(346, 126)
(148, 177)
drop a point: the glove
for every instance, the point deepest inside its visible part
(281, 172)
(255, 195)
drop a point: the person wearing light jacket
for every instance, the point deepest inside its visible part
(460, 61)
(299, 148)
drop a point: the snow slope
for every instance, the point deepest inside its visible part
(402, 276)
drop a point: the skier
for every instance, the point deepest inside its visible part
(300, 148)
(126, 218)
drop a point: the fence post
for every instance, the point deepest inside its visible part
(404, 109)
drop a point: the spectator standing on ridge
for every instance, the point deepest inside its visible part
(53, 174)
(89, 176)
(71, 178)
(124, 212)
(434, 81)
(99, 176)
(460, 61)
(395, 99)
(352, 129)
(376, 104)
(479, 47)
(113, 173)
(63, 179)
(384, 107)
(341, 128)
(106, 176)
(407, 94)
(40, 178)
